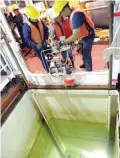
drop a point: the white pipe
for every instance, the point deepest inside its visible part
(28, 2)
(95, 8)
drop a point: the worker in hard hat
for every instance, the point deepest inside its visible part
(60, 27)
(18, 20)
(36, 33)
(83, 29)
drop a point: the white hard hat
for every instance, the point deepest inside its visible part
(52, 13)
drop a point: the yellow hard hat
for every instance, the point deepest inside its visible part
(32, 12)
(14, 6)
(59, 5)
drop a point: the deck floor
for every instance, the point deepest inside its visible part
(34, 64)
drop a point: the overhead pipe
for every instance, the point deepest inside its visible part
(95, 8)
(86, 1)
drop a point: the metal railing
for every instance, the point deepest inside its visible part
(6, 71)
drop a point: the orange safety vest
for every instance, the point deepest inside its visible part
(85, 29)
(37, 35)
(65, 30)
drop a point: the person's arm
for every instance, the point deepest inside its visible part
(73, 37)
(27, 37)
(77, 21)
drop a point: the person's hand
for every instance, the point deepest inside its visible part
(39, 46)
(45, 43)
(59, 44)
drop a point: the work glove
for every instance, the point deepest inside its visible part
(59, 44)
(39, 46)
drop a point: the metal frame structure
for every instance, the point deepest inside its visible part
(111, 11)
(8, 72)
(82, 79)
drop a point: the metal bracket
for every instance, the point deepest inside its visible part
(113, 49)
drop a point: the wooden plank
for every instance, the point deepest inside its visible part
(13, 93)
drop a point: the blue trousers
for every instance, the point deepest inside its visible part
(41, 55)
(87, 43)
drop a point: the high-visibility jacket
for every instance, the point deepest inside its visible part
(64, 30)
(37, 35)
(86, 28)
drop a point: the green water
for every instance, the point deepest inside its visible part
(44, 147)
(79, 136)
(73, 136)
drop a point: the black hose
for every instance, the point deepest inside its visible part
(110, 64)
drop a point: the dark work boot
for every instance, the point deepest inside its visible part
(89, 70)
(64, 62)
(82, 66)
